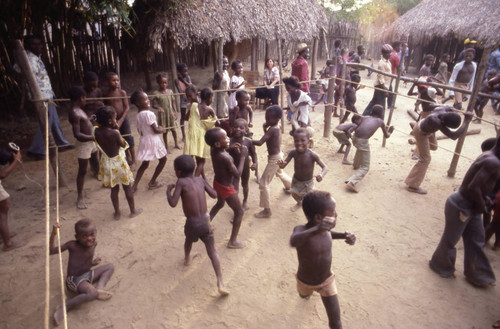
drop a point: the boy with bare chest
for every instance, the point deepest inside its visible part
(92, 90)
(304, 159)
(121, 107)
(79, 274)
(85, 147)
(242, 110)
(225, 173)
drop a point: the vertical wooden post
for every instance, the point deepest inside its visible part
(325, 43)
(314, 58)
(280, 66)
(221, 94)
(472, 101)
(255, 54)
(329, 100)
(342, 90)
(173, 65)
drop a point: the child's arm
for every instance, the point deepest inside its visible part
(410, 92)
(243, 151)
(349, 238)
(119, 138)
(75, 123)
(253, 156)
(210, 190)
(320, 163)
(387, 132)
(283, 163)
(300, 234)
(174, 198)
(156, 129)
(126, 107)
(267, 135)
(53, 249)
(250, 116)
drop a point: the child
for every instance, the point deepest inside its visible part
(272, 138)
(167, 114)
(298, 103)
(441, 119)
(121, 107)
(366, 128)
(304, 159)
(80, 276)
(242, 110)
(92, 90)
(314, 250)
(194, 204)
(113, 167)
(225, 172)
(85, 146)
(151, 146)
(425, 70)
(482, 101)
(240, 129)
(462, 77)
(201, 118)
(237, 82)
(343, 133)
(350, 96)
(181, 83)
(442, 74)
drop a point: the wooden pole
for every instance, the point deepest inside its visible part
(329, 100)
(173, 65)
(323, 33)
(280, 66)
(314, 58)
(41, 107)
(222, 94)
(255, 47)
(472, 101)
(342, 90)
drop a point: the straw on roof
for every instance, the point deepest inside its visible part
(476, 19)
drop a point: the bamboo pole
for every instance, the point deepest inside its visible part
(470, 108)
(41, 108)
(329, 100)
(222, 94)
(280, 66)
(171, 56)
(342, 91)
(314, 58)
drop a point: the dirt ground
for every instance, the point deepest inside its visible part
(383, 280)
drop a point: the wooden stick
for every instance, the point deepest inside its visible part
(281, 85)
(329, 100)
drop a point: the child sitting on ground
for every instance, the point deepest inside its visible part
(242, 110)
(225, 172)
(151, 146)
(80, 276)
(121, 107)
(194, 204)
(313, 242)
(201, 118)
(304, 159)
(85, 146)
(240, 129)
(343, 133)
(113, 167)
(167, 113)
(237, 82)
(272, 138)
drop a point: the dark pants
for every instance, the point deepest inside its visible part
(378, 99)
(272, 93)
(390, 96)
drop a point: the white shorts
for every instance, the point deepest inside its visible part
(85, 149)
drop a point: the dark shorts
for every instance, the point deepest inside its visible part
(199, 229)
(125, 130)
(72, 282)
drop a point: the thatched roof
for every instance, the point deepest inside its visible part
(461, 19)
(200, 21)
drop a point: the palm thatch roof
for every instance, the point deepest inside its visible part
(461, 19)
(201, 21)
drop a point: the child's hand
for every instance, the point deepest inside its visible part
(319, 178)
(244, 82)
(236, 147)
(96, 261)
(326, 225)
(161, 109)
(350, 238)
(281, 163)
(243, 150)
(390, 130)
(55, 227)
(250, 125)
(253, 166)
(170, 187)
(265, 126)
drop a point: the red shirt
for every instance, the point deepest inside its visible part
(301, 71)
(394, 59)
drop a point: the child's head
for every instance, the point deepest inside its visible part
(113, 80)
(386, 51)
(237, 67)
(207, 95)
(377, 111)
(469, 54)
(162, 81)
(291, 84)
(451, 120)
(184, 166)
(429, 59)
(445, 57)
(301, 139)
(361, 50)
(240, 127)
(33, 44)
(488, 144)
(140, 99)
(336, 44)
(225, 63)
(182, 70)
(316, 206)
(330, 63)
(106, 116)
(90, 80)
(491, 74)
(273, 115)
(355, 79)
(217, 138)
(85, 232)
(243, 98)
(77, 94)
(356, 119)
(192, 93)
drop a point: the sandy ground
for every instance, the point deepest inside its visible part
(383, 281)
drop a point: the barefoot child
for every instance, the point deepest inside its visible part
(240, 128)
(366, 128)
(113, 167)
(85, 146)
(313, 242)
(225, 172)
(237, 82)
(167, 114)
(151, 146)
(181, 83)
(201, 118)
(121, 107)
(343, 133)
(80, 276)
(194, 204)
(272, 138)
(304, 159)
(242, 109)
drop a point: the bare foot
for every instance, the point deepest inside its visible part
(103, 294)
(245, 206)
(295, 207)
(189, 259)
(155, 185)
(417, 190)
(263, 214)
(117, 215)
(12, 234)
(235, 245)
(80, 204)
(222, 290)
(346, 162)
(351, 187)
(136, 212)
(13, 244)
(177, 147)
(58, 315)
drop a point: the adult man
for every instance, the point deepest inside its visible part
(300, 68)
(381, 82)
(468, 44)
(462, 77)
(34, 48)
(394, 59)
(463, 212)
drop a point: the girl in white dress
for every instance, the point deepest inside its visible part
(151, 146)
